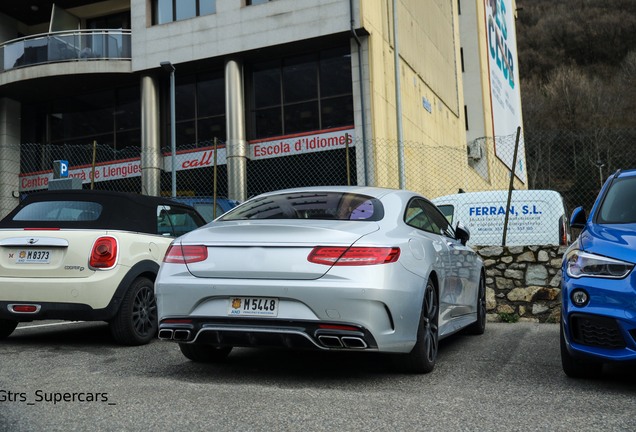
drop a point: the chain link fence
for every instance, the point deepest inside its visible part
(574, 164)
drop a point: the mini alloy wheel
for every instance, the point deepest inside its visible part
(136, 320)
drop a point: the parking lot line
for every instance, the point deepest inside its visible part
(48, 325)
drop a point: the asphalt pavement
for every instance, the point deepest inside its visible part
(73, 377)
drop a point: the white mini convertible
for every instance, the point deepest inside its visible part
(90, 256)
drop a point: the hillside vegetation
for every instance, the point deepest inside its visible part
(577, 65)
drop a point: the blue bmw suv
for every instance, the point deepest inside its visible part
(598, 313)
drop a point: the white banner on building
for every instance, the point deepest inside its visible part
(300, 144)
(103, 172)
(194, 159)
(504, 83)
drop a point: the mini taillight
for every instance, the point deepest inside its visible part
(354, 256)
(185, 254)
(104, 253)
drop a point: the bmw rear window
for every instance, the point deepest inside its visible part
(310, 205)
(61, 211)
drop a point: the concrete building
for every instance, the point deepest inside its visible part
(265, 88)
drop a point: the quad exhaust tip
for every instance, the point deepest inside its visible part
(327, 341)
(350, 342)
(177, 335)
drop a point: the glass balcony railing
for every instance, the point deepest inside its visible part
(65, 46)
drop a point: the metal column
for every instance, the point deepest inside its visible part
(236, 146)
(9, 154)
(151, 158)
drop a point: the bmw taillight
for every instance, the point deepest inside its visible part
(354, 256)
(104, 253)
(185, 254)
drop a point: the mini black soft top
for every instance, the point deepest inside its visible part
(66, 209)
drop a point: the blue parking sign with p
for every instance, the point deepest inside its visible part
(60, 169)
(63, 168)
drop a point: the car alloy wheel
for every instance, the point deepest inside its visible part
(423, 356)
(144, 314)
(136, 320)
(429, 317)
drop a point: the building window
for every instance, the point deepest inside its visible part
(200, 109)
(165, 11)
(301, 94)
(110, 118)
(256, 2)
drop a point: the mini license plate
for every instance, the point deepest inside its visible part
(33, 256)
(253, 306)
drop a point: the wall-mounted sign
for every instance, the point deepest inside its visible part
(60, 169)
(200, 158)
(504, 83)
(427, 105)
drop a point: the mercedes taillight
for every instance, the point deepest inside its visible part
(353, 256)
(186, 254)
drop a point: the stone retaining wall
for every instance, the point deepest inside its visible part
(523, 283)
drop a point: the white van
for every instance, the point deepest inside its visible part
(536, 217)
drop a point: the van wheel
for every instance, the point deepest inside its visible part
(7, 327)
(136, 320)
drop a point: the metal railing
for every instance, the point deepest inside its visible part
(65, 46)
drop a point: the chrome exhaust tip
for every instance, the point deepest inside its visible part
(165, 334)
(330, 341)
(181, 335)
(353, 342)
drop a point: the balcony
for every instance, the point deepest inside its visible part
(66, 46)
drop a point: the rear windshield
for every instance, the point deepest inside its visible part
(176, 221)
(68, 211)
(619, 205)
(310, 205)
